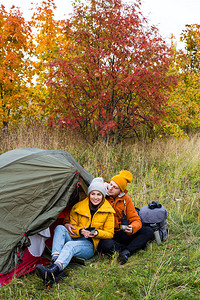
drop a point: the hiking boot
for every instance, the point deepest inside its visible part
(123, 256)
(50, 274)
(60, 276)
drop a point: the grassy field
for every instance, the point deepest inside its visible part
(164, 170)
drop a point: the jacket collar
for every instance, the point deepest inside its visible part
(83, 207)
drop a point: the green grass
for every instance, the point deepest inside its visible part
(164, 170)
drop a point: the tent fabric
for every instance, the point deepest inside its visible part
(36, 185)
(28, 265)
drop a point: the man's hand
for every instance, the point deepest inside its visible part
(129, 229)
(69, 228)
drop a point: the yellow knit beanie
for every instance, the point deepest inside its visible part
(122, 179)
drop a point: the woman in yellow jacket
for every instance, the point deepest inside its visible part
(92, 220)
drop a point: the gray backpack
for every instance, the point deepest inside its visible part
(155, 216)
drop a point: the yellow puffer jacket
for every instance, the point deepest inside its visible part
(103, 220)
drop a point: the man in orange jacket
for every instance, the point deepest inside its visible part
(129, 235)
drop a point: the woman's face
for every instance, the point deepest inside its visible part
(96, 197)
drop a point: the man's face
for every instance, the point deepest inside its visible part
(113, 189)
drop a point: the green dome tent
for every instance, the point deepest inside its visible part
(35, 187)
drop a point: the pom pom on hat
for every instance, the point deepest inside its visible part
(122, 179)
(97, 184)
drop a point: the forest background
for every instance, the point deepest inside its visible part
(103, 73)
(104, 86)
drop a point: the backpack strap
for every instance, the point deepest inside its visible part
(124, 207)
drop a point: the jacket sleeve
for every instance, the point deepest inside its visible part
(73, 220)
(107, 231)
(132, 215)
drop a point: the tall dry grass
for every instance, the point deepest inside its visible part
(161, 169)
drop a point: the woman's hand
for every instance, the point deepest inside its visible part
(87, 233)
(69, 228)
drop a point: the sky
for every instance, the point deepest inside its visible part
(169, 16)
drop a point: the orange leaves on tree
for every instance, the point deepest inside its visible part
(50, 42)
(14, 65)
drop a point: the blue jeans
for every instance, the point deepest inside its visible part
(66, 247)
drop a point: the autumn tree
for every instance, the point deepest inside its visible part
(15, 70)
(183, 110)
(50, 43)
(117, 78)
(191, 37)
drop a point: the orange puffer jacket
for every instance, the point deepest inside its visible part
(124, 206)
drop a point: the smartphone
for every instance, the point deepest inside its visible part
(91, 229)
